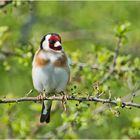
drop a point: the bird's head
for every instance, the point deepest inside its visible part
(51, 41)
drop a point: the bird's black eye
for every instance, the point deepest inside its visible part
(51, 41)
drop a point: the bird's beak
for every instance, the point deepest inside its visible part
(57, 44)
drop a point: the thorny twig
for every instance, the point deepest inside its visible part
(112, 68)
(8, 53)
(60, 98)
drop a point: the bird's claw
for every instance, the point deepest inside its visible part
(40, 96)
(64, 99)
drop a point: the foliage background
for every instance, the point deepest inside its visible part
(87, 30)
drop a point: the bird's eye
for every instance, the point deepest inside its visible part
(51, 41)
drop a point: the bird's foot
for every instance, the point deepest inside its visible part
(40, 96)
(64, 99)
(62, 93)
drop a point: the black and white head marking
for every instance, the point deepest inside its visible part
(51, 41)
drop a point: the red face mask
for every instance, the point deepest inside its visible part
(52, 40)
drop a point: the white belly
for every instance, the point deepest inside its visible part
(49, 78)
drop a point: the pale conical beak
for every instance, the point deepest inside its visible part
(57, 44)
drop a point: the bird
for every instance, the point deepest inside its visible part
(50, 71)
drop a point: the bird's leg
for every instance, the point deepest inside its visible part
(41, 96)
(64, 99)
(62, 93)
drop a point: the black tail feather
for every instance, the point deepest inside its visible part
(48, 118)
(45, 117)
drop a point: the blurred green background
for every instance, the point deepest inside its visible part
(87, 31)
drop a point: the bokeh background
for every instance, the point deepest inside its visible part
(88, 37)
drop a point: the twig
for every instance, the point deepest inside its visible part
(8, 53)
(131, 95)
(112, 67)
(60, 98)
(27, 94)
(98, 67)
(83, 65)
(116, 53)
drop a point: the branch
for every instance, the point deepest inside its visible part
(112, 68)
(8, 53)
(61, 98)
(116, 52)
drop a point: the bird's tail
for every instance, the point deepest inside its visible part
(45, 113)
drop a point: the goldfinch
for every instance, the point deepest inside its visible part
(50, 71)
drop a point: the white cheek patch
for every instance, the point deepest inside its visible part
(45, 43)
(47, 37)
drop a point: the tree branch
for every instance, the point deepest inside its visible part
(61, 98)
(8, 53)
(112, 68)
